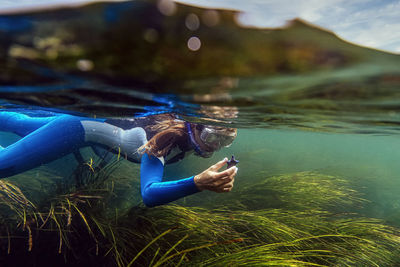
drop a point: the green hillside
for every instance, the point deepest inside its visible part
(135, 41)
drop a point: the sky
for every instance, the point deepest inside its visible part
(370, 23)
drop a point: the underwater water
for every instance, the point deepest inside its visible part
(318, 139)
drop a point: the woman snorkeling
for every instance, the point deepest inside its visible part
(153, 141)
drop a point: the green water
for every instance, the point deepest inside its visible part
(369, 162)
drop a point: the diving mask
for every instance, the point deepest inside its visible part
(217, 137)
(212, 137)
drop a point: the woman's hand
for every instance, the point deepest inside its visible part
(213, 180)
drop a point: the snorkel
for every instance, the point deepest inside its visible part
(195, 145)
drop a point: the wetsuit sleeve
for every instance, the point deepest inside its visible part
(154, 191)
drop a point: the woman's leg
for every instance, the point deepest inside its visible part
(21, 124)
(55, 138)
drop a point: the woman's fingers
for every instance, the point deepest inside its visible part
(225, 184)
(228, 188)
(222, 181)
(216, 181)
(225, 188)
(228, 172)
(218, 165)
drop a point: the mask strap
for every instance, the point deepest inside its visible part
(192, 140)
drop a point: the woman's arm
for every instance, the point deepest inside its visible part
(155, 192)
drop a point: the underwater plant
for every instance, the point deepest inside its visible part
(311, 222)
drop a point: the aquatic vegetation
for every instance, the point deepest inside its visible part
(307, 225)
(14, 206)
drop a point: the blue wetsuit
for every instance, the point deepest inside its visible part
(45, 139)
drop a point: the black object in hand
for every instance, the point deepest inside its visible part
(232, 162)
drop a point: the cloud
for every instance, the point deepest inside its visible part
(370, 25)
(366, 22)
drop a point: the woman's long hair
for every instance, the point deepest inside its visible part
(170, 132)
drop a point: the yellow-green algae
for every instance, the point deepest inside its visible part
(299, 219)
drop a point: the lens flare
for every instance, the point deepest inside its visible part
(194, 43)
